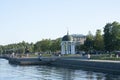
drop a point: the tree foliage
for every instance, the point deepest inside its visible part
(17, 48)
(112, 36)
(98, 41)
(108, 36)
(56, 45)
(45, 45)
(89, 41)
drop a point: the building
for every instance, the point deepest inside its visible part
(70, 41)
(79, 38)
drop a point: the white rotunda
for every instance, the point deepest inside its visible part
(67, 45)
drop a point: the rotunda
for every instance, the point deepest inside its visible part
(67, 45)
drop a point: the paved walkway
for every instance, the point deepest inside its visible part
(92, 60)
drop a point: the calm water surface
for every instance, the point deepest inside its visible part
(14, 72)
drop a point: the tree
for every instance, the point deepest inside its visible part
(17, 48)
(89, 41)
(80, 47)
(45, 45)
(112, 36)
(55, 46)
(37, 47)
(98, 41)
(1, 49)
(116, 35)
(108, 37)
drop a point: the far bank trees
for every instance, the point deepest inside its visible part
(47, 45)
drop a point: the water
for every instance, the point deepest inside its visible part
(15, 72)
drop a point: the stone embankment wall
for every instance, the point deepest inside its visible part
(95, 65)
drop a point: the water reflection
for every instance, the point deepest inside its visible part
(14, 72)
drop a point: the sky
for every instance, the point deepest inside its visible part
(34, 20)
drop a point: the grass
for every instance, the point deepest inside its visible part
(43, 55)
(105, 57)
(71, 55)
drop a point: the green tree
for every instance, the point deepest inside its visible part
(108, 37)
(98, 41)
(17, 48)
(37, 47)
(112, 36)
(1, 49)
(55, 46)
(45, 45)
(116, 35)
(89, 42)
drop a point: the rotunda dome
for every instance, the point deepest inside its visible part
(67, 38)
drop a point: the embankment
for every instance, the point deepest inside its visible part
(95, 65)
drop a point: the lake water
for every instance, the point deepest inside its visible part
(16, 72)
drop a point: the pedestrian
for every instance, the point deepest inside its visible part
(13, 54)
(88, 56)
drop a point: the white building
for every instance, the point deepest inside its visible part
(67, 45)
(70, 41)
(79, 38)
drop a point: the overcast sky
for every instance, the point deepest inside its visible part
(34, 20)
